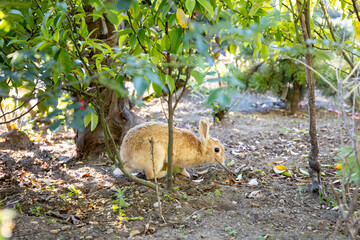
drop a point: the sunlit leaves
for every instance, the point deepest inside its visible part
(140, 85)
(348, 166)
(176, 40)
(206, 4)
(190, 5)
(220, 96)
(199, 77)
(257, 5)
(122, 4)
(113, 17)
(65, 60)
(181, 18)
(356, 26)
(91, 118)
(171, 83)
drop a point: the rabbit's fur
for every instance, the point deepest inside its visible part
(188, 150)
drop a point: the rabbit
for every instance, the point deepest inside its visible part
(188, 150)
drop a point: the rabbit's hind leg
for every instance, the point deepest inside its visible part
(159, 159)
(150, 174)
(184, 172)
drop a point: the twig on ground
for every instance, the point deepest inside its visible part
(194, 213)
(226, 169)
(151, 141)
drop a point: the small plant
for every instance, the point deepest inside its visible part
(168, 196)
(120, 202)
(49, 185)
(185, 197)
(233, 233)
(75, 192)
(209, 211)
(300, 190)
(51, 220)
(72, 192)
(217, 193)
(18, 206)
(218, 112)
(36, 211)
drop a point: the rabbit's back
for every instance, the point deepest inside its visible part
(136, 149)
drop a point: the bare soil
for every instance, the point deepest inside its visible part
(35, 180)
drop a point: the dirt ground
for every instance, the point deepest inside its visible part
(57, 197)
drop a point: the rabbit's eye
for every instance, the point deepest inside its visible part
(217, 150)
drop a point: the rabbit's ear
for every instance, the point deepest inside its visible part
(204, 129)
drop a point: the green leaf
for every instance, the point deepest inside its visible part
(157, 89)
(44, 27)
(176, 40)
(141, 35)
(229, 4)
(257, 40)
(206, 4)
(165, 43)
(171, 83)
(124, 31)
(264, 52)
(288, 174)
(140, 85)
(256, 7)
(164, 8)
(87, 119)
(219, 96)
(94, 120)
(55, 124)
(122, 4)
(65, 60)
(199, 77)
(190, 5)
(41, 45)
(113, 18)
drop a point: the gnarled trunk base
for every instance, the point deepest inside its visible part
(119, 119)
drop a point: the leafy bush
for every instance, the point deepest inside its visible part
(350, 167)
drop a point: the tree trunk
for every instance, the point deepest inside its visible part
(116, 110)
(295, 98)
(119, 119)
(315, 168)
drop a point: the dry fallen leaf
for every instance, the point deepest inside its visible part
(254, 194)
(338, 166)
(304, 172)
(134, 233)
(86, 175)
(230, 180)
(253, 182)
(203, 172)
(198, 180)
(278, 162)
(279, 169)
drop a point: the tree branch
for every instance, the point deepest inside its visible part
(327, 18)
(18, 117)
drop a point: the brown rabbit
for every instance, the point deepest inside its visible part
(188, 149)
